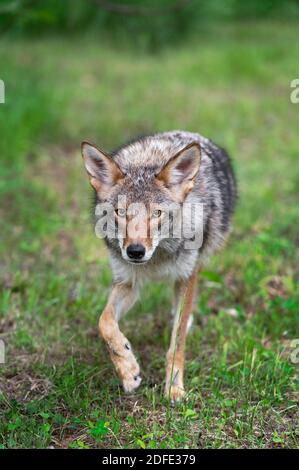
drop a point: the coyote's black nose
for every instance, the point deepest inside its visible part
(135, 251)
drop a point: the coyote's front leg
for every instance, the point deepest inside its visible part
(120, 300)
(175, 358)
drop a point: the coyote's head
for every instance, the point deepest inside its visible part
(139, 204)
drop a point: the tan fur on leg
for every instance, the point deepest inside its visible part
(120, 300)
(175, 358)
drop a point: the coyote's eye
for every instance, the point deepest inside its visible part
(156, 213)
(120, 212)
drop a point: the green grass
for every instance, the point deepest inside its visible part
(58, 387)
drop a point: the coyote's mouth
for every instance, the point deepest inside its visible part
(137, 262)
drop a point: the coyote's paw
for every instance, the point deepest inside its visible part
(131, 383)
(174, 393)
(125, 362)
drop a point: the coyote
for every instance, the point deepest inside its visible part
(161, 173)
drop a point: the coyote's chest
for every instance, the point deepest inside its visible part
(179, 266)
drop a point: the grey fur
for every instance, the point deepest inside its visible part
(215, 188)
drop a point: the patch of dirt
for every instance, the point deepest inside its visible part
(275, 287)
(7, 325)
(24, 387)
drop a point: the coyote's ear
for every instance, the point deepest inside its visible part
(182, 168)
(102, 170)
